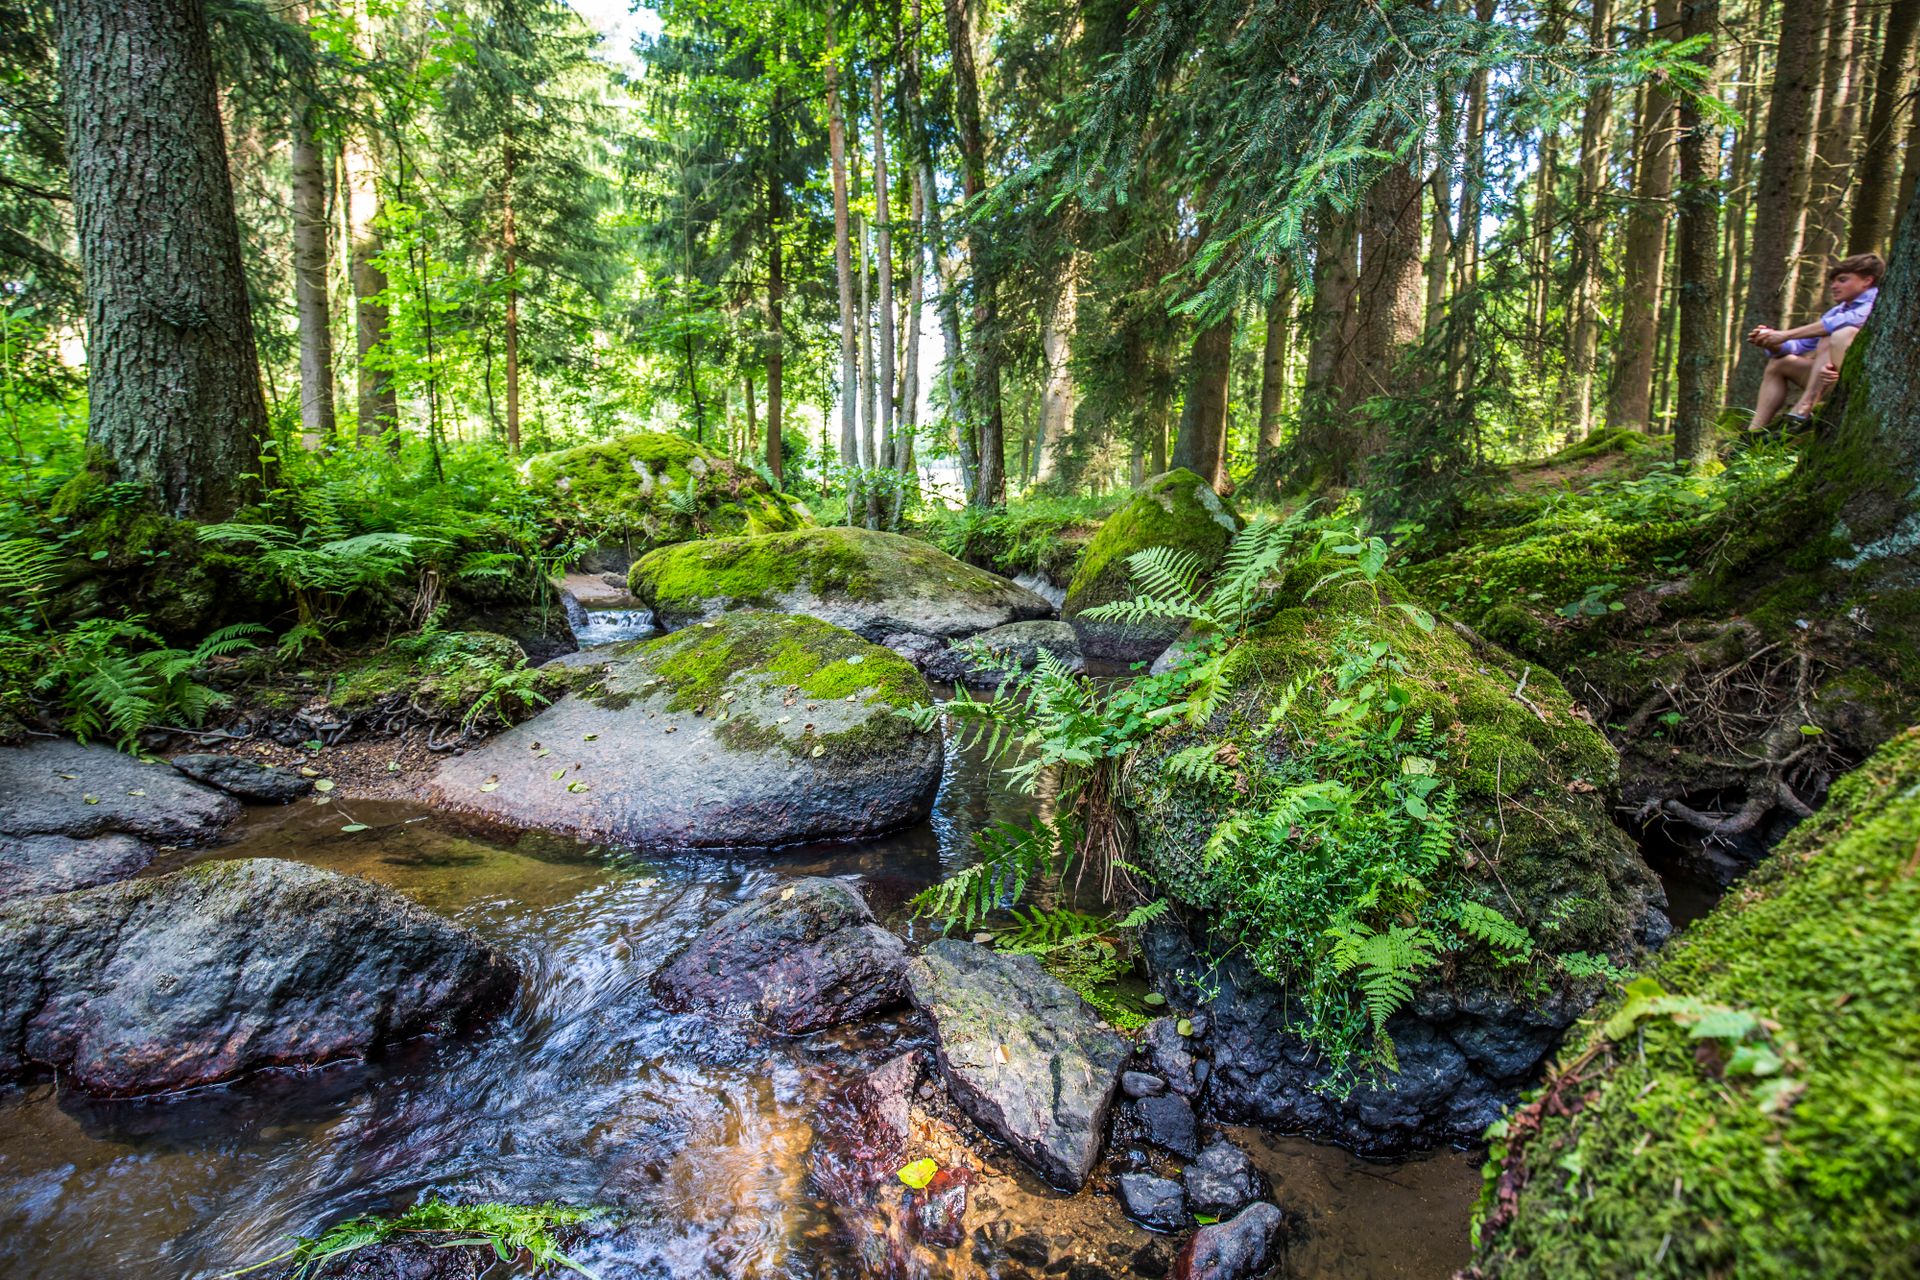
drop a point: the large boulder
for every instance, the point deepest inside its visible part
(1021, 1053)
(887, 588)
(180, 980)
(1177, 510)
(74, 816)
(798, 957)
(1530, 837)
(758, 729)
(651, 488)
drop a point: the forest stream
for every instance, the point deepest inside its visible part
(696, 1131)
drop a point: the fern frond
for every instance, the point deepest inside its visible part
(28, 567)
(1486, 925)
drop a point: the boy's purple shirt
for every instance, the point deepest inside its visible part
(1848, 315)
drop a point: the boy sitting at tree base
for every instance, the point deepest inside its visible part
(1808, 358)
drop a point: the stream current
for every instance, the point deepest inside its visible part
(695, 1131)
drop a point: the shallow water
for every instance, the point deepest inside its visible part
(587, 1091)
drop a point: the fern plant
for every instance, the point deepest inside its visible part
(105, 681)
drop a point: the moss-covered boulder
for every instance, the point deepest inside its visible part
(1751, 1107)
(651, 488)
(1527, 835)
(887, 588)
(1178, 510)
(756, 729)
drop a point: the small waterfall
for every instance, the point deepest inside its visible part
(611, 626)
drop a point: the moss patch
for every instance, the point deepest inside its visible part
(1178, 510)
(652, 488)
(1674, 1162)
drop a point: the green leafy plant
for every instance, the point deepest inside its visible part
(510, 1230)
(106, 682)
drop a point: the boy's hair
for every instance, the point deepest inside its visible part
(1870, 265)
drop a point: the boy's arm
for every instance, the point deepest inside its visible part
(1814, 330)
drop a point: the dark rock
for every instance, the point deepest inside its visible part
(1167, 1122)
(1239, 1249)
(1141, 1084)
(32, 865)
(756, 730)
(248, 779)
(1029, 1250)
(1171, 1055)
(939, 1210)
(1159, 1203)
(1151, 1262)
(797, 958)
(153, 985)
(1016, 646)
(45, 790)
(1220, 1180)
(1021, 1053)
(427, 1257)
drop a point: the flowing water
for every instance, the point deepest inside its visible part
(695, 1131)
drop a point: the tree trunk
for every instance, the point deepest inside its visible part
(1390, 294)
(1910, 170)
(868, 391)
(1875, 189)
(883, 231)
(990, 488)
(1273, 367)
(1833, 162)
(1321, 451)
(1056, 341)
(753, 425)
(172, 376)
(945, 299)
(1201, 446)
(1783, 175)
(1746, 107)
(1644, 261)
(843, 272)
(910, 341)
(510, 244)
(1596, 130)
(1473, 177)
(1698, 382)
(310, 279)
(776, 294)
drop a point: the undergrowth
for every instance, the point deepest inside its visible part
(509, 1230)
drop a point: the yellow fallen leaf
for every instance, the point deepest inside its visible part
(1000, 1054)
(786, 893)
(918, 1174)
(323, 785)
(491, 784)
(819, 749)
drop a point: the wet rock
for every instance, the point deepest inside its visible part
(428, 1257)
(1220, 1180)
(1239, 1249)
(63, 788)
(1171, 1054)
(31, 865)
(1029, 1250)
(1177, 510)
(877, 585)
(799, 957)
(1150, 1261)
(1167, 1122)
(1015, 647)
(250, 780)
(939, 1210)
(1142, 1084)
(756, 730)
(153, 985)
(1159, 1203)
(1021, 1054)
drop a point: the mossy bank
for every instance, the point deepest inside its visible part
(1177, 510)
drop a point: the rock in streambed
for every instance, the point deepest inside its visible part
(226, 967)
(753, 730)
(1021, 1053)
(798, 957)
(250, 780)
(1014, 647)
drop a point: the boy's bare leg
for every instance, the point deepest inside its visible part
(1784, 376)
(1834, 346)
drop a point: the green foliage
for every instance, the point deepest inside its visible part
(114, 676)
(1044, 535)
(509, 1230)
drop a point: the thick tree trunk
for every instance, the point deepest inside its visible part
(1697, 392)
(1273, 367)
(172, 375)
(1783, 175)
(1321, 451)
(843, 272)
(1644, 261)
(1390, 294)
(1875, 189)
(1596, 134)
(1202, 442)
(1056, 348)
(310, 280)
(776, 296)
(990, 488)
(378, 406)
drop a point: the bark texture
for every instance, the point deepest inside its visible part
(1874, 193)
(1644, 261)
(990, 486)
(1698, 382)
(1596, 134)
(310, 295)
(172, 374)
(1201, 446)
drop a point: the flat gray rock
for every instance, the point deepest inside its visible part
(1153, 1201)
(154, 985)
(249, 780)
(1021, 1053)
(63, 788)
(31, 865)
(754, 730)
(1220, 1180)
(799, 957)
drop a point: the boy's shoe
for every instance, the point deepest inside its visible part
(1794, 423)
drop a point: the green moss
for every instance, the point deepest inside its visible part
(1177, 510)
(441, 678)
(1674, 1166)
(1045, 536)
(652, 488)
